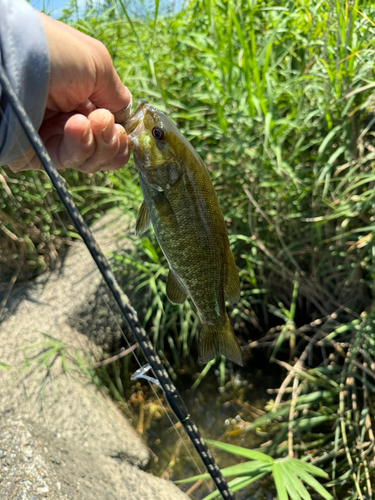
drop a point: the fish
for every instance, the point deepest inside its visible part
(181, 204)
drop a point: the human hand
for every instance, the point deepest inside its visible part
(84, 92)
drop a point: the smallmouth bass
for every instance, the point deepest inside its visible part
(181, 204)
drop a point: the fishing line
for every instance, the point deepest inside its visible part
(141, 367)
(171, 394)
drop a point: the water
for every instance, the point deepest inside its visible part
(219, 413)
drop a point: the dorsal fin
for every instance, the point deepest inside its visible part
(143, 220)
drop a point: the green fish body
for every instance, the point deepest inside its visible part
(181, 204)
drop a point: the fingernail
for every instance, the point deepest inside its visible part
(108, 130)
(88, 135)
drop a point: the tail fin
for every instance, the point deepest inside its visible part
(218, 340)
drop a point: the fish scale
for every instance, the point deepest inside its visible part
(184, 255)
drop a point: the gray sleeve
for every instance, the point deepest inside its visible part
(24, 55)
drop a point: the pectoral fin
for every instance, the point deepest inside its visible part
(176, 291)
(143, 220)
(218, 340)
(232, 287)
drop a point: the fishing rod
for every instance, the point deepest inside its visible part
(171, 393)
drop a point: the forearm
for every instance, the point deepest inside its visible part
(25, 57)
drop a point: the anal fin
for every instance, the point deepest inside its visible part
(176, 291)
(143, 220)
(215, 340)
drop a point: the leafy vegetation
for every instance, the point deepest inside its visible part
(288, 474)
(277, 97)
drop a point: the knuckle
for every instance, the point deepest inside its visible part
(100, 47)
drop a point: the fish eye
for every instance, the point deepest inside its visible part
(158, 133)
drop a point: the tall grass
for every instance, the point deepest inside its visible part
(34, 226)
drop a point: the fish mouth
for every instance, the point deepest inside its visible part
(134, 124)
